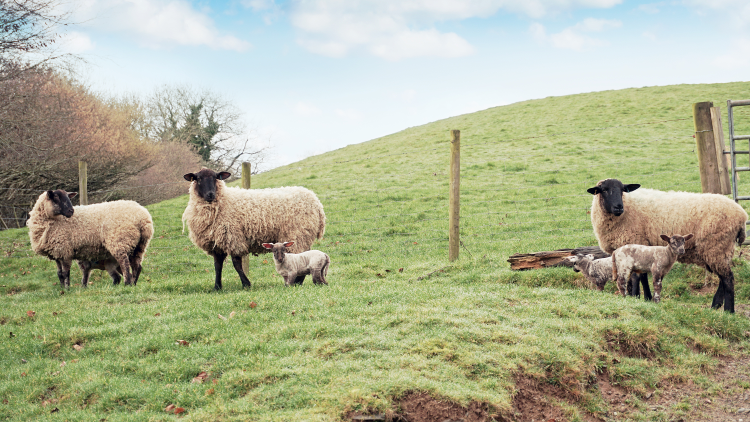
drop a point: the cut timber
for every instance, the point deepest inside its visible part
(533, 261)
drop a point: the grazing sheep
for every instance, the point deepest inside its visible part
(236, 222)
(623, 214)
(597, 271)
(294, 267)
(657, 260)
(117, 231)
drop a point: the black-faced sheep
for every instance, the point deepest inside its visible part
(294, 267)
(236, 222)
(623, 214)
(657, 260)
(116, 231)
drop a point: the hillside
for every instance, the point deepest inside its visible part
(397, 316)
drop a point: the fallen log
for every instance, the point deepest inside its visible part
(536, 260)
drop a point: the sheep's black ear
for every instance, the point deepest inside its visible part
(189, 177)
(72, 195)
(631, 187)
(223, 175)
(596, 190)
(665, 238)
(50, 195)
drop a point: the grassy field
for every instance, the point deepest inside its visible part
(397, 317)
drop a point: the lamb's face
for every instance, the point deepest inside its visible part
(610, 192)
(677, 243)
(205, 182)
(59, 203)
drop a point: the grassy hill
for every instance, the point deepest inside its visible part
(397, 316)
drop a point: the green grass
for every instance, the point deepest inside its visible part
(397, 316)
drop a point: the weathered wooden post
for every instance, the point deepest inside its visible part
(83, 179)
(724, 161)
(455, 194)
(245, 185)
(706, 148)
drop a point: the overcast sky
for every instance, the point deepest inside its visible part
(317, 75)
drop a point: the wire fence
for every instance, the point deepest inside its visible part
(516, 196)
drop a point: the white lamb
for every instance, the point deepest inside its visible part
(294, 267)
(597, 271)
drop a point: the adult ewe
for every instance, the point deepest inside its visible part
(623, 214)
(111, 231)
(236, 222)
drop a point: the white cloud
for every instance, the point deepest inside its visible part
(399, 29)
(306, 110)
(738, 56)
(574, 37)
(348, 114)
(76, 42)
(156, 23)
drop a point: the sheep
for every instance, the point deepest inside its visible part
(294, 267)
(117, 231)
(657, 260)
(232, 221)
(623, 214)
(597, 271)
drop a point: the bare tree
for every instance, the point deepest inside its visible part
(208, 123)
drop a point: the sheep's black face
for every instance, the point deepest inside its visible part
(611, 191)
(61, 204)
(205, 182)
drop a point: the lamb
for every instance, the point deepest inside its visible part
(117, 231)
(232, 221)
(294, 267)
(597, 271)
(623, 214)
(657, 260)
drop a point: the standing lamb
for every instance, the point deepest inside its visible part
(657, 260)
(597, 271)
(236, 222)
(294, 267)
(623, 214)
(116, 231)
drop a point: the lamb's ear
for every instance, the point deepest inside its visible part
(631, 187)
(268, 245)
(223, 175)
(189, 177)
(596, 190)
(665, 238)
(50, 195)
(288, 244)
(72, 195)
(688, 237)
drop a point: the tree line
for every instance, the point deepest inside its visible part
(134, 146)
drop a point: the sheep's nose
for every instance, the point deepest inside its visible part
(618, 210)
(210, 197)
(68, 213)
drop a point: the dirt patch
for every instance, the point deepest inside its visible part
(616, 397)
(534, 401)
(421, 407)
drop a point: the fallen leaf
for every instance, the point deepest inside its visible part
(157, 314)
(265, 261)
(24, 361)
(30, 314)
(182, 343)
(23, 374)
(179, 410)
(200, 378)
(232, 314)
(222, 317)
(253, 305)
(387, 271)
(209, 391)
(11, 334)
(62, 365)
(400, 270)
(78, 347)
(169, 408)
(415, 243)
(54, 313)
(215, 381)
(294, 313)
(54, 410)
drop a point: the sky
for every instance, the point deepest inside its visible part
(312, 76)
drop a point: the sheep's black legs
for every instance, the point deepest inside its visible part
(719, 295)
(219, 258)
(136, 267)
(646, 290)
(237, 262)
(299, 280)
(725, 293)
(63, 272)
(634, 288)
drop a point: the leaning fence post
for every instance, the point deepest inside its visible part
(245, 185)
(723, 160)
(455, 193)
(83, 193)
(706, 148)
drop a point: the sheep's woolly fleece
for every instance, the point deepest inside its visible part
(239, 221)
(715, 220)
(94, 232)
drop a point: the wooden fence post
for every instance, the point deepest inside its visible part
(455, 194)
(706, 148)
(245, 185)
(83, 180)
(724, 161)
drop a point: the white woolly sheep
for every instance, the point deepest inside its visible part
(236, 222)
(597, 271)
(623, 214)
(294, 267)
(657, 260)
(117, 231)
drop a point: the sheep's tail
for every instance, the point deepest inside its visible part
(741, 235)
(322, 224)
(147, 232)
(324, 270)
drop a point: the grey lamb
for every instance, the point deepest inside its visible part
(597, 271)
(294, 267)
